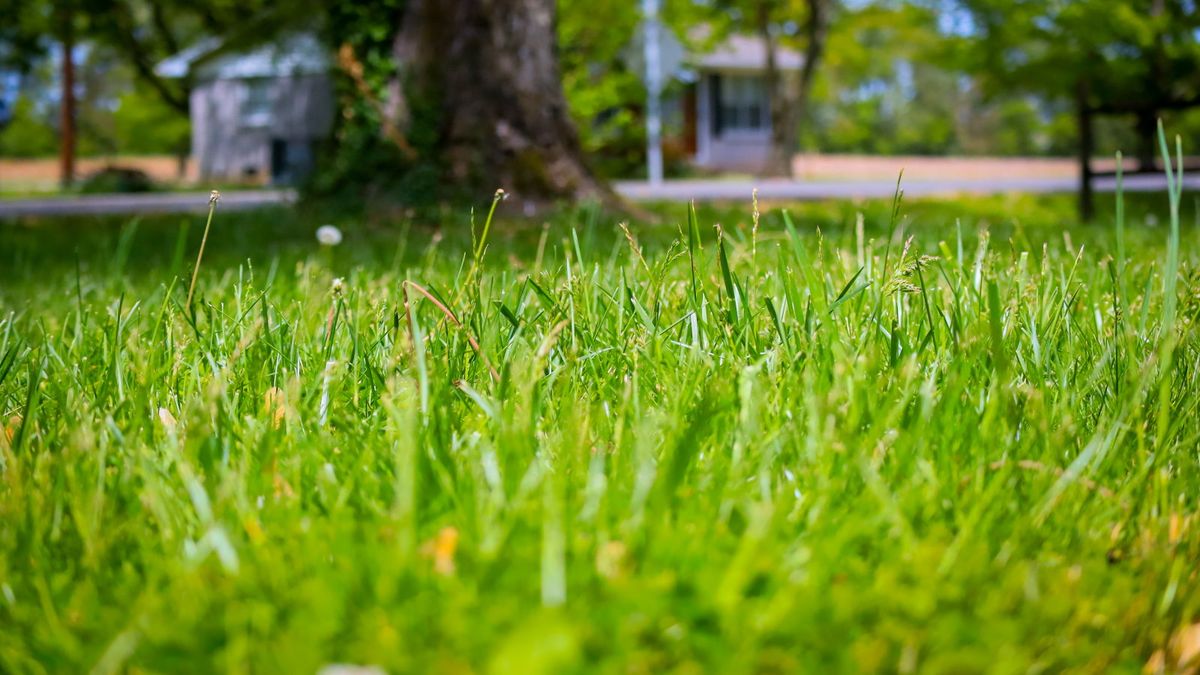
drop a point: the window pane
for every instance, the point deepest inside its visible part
(257, 103)
(743, 103)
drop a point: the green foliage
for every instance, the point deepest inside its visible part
(114, 116)
(1135, 58)
(606, 98)
(361, 160)
(916, 100)
(1127, 49)
(28, 134)
(144, 124)
(819, 450)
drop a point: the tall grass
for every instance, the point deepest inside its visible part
(777, 449)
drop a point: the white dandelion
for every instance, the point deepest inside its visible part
(329, 235)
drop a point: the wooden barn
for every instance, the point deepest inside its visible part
(257, 115)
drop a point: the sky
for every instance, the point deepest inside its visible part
(9, 85)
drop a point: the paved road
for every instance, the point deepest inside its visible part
(702, 190)
(164, 202)
(674, 190)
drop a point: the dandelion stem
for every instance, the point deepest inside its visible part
(196, 272)
(212, 207)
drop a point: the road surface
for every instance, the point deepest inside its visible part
(155, 202)
(671, 190)
(780, 189)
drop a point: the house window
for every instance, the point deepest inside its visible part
(257, 103)
(740, 103)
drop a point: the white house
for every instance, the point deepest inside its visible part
(257, 114)
(730, 107)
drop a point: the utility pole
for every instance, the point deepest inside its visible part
(654, 158)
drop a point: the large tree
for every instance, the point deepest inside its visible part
(466, 93)
(31, 29)
(1134, 58)
(441, 96)
(488, 71)
(141, 32)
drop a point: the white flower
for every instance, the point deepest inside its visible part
(338, 286)
(329, 235)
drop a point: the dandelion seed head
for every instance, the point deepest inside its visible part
(328, 235)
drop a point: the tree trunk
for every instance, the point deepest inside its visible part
(789, 100)
(181, 163)
(490, 69)
(1086, 143)
(1146, 126)
(783, 122)
(1146, 121)
(66, 153)
(817, 30)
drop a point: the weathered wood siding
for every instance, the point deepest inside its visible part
(229, 143)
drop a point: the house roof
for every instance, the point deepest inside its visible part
(210, 59)
(746, 52)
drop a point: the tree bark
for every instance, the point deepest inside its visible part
(787, 107)
(779, 99)
(491, 69)
(1146, 121)
(124, 30)
(817, 30)
(66, 152)
(1146, 125)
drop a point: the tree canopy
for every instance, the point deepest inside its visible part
(1112, 57)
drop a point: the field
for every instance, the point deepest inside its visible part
(945, 437)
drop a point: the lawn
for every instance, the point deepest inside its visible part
(950, 437)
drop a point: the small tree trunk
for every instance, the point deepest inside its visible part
(788, 108)
(181, 164)
(1086, 143)
(1147, 133)
(66, 154)
(1146, 122)
(490, 69)
(817, 30)
(783, 123)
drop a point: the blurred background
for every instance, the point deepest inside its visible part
(410, 100)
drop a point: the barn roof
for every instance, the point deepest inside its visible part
(210, 59)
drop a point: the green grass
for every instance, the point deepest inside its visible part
(911, 446)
